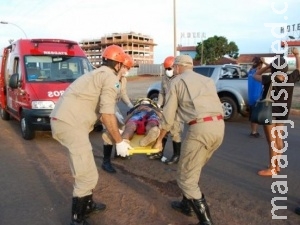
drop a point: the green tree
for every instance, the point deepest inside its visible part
(215, 48)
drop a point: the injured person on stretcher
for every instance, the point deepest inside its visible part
(143, 119)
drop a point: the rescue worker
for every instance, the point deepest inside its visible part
(193, 98)
(177, 128)
(108, 146)
(90, 97)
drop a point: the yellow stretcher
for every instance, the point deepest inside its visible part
(137, 149)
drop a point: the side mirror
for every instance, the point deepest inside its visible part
(14, 81)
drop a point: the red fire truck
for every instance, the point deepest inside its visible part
(34, 73)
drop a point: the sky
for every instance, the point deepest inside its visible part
(253, 25)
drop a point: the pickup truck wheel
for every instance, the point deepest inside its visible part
(27, 131)
(154, 97)
(230, 108)
(4, 114)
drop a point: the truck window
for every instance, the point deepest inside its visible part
(206, 71)
(16, 68)
(33, 73)
(231, 72)
(55, 69)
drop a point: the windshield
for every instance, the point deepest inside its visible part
(55, 68)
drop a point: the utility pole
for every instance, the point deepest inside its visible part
(174, 27)
(202, 45)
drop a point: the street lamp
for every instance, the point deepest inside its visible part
(4, 22)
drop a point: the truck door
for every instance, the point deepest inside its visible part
(3, 78)
(13, 95)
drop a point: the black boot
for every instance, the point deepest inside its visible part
(79, 206)
(160, 154)
(202, 211)
(92, 207)
(106, 164)
(176, 153)
(183, 207)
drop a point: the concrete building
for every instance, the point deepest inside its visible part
(139, 46)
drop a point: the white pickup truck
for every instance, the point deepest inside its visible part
(232, 88)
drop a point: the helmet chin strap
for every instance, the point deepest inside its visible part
(120, 66)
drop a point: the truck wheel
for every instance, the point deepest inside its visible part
(27, 131)
(4, 114)
(154, 97)
(230, 108)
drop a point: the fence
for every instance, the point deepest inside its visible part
(147, 69)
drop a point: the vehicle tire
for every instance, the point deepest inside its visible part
(27, 131)
(154, 97)
(4, 115)
(230, 109)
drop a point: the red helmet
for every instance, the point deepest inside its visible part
(114, 52)
(169, 61)
(128, 61)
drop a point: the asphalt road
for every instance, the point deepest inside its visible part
(36, 183)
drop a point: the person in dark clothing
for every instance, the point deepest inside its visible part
(282, 94)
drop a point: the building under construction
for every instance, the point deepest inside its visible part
(140, 47)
